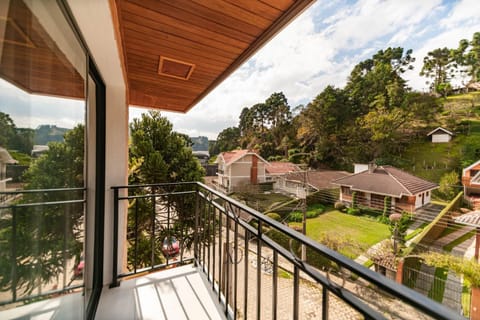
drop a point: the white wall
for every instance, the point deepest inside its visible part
(441, 138)
(95, 22)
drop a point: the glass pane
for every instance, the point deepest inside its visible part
(42, 143)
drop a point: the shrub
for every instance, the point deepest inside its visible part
(353, 211)
(339, 205)
(354, 199)
(274, 216)
(295, 217)
(313, 213)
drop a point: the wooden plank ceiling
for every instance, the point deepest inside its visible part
(176, 52)
(30, 58)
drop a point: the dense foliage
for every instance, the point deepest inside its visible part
(375, 116)
(46, 236)
(160, 155)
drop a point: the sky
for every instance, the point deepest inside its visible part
(322, 46)
(317, 49)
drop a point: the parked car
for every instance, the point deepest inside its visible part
(170, 246)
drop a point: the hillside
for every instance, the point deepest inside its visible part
(461, 115)
(47, 133)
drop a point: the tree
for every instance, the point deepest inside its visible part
(323, 123)
(160, 155)
(448, 185)
(435, 66)
(227, 140)
(467, 57)
(49, 236)
(7, 128)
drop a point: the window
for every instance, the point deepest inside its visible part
(43, 105)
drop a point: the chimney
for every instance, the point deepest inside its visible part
(254, 170)
(371, 167)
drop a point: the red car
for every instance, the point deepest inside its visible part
(170, 246)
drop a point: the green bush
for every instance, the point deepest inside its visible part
(353, 211)
(295, 217)
(354, 199)
(274, 216)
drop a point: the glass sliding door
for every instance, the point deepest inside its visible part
(43, 161)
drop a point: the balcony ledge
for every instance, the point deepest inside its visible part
(177, 293)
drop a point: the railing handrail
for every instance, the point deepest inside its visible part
(27, 191)
(404, 293)
(401, 292)
(153, 185)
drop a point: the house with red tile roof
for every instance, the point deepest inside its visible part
(371, 186)
(245, 167)
(471, 183)
(238, 168)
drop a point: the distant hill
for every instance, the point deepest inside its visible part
(199, 143)
(46, 133)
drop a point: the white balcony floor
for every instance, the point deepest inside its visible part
(69, 306)
(178, 293)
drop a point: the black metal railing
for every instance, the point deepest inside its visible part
(251, 261)
(41, 243)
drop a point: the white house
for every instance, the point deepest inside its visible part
(440, 135)
(5, 158)
(240, 167)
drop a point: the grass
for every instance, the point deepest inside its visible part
(449, 247)
(362, 230)
(261, 201)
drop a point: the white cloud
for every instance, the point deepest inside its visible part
(464, 12)
(321, 47)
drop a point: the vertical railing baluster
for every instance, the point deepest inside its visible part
(196, 236)
(214, 242)
(209, 214)
(296, 289)
(275, 284)
(168, 226)
(115, 240)
(227, 261)
(220, 259)
(259, 268)
(205, 232)
(325, 304)
(14, 254)
(245, 277)
(135, 252)
(152, 239)
(65, 246)
(235, 258)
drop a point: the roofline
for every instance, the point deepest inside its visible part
(386, 194)
(287, 17)
(405, 188)
(390, 175)
(245, 154)
(470, 167)
(440, 128)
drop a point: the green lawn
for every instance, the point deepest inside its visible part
(362, 230)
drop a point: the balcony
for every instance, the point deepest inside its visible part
(232, 263)
(248, 262)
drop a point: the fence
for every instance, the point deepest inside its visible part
(230, 244)
(41, 241)
(446, 288)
